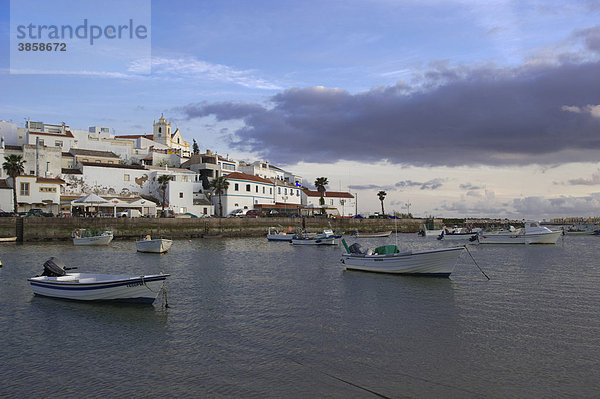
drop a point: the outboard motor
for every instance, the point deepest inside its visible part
(356, 249)
(54, 268)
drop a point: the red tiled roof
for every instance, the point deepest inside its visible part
(47, 180)
(244, 176)
(336, 194)
(67, 134)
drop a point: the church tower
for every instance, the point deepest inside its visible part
(162, 131)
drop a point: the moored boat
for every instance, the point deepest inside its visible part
(358, 234)
(532, 233)
(153, 245)
(274, 234)
(388, 259)
(91, 237)
(55, 282)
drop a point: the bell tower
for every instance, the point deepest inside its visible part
(162, 131)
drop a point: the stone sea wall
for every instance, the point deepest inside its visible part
(47, 229)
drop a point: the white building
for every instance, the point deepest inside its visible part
(336, 203)
(38, 192)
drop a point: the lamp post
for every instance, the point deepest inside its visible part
(408, 204)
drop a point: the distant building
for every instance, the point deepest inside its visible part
(336, 203)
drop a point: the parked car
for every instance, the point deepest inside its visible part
(4, 214)
(38, 212)
(254, 213)
(237, 213)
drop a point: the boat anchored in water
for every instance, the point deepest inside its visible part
(56, 282)
(91, 237)
(388, 259)
(532, 233)
(153, 245)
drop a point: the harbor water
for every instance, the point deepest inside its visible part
(247, 318)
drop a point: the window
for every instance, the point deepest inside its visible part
(278, 190)
(58, 143)
(298, 193)
(47, 189)
(330, 202)
(236, 187)
(257, 188)
(41, 142)
(263, 190)
(285, 191)
(159, 130)
(24, 189)
(125, 177)
(271, 190)
(180, 195)
(247, 187)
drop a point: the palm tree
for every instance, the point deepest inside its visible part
(163, 182)
(381, 196)
(320, 183)
(14, 167)
(219, 185)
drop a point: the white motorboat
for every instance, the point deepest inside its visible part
(580, 229)
(533, 233)
(55, 282)
(91, 237)
(388, 259)
(153, 245)
(319, 240)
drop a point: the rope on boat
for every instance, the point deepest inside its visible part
(163, 291)
(476, 264)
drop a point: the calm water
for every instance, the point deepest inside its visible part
(250, 318)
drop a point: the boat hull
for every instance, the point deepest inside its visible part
(438, 263)
(155, 246)
(99, 287)
(543, 238)
(96, 240)
(315, 241)
(458, 237)
(280, 237)
(373, 235)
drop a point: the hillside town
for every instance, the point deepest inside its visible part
(66, 171)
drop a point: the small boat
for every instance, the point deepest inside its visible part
(8, 239)
(388, 259)
(580, 229)
(274, 234)
(91, 237)
(459, 234)
(55, 282)
(153, 245)
(325, 238)
(533, 233)
(315, 241)
(430, 233)
(358, 234)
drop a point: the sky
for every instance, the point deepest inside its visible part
(454, 108)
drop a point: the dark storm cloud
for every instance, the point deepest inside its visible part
(451, 116)
(432, 184)
(469, 186)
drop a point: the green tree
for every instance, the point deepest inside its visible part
(195, 148)
(381, 196)
(320, 184)
(163, 182)
(13, 166)
(219, 186)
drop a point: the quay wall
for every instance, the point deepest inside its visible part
(48, 229)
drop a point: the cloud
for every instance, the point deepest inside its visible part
(370, 187)
(432, 184)
(193, 69)
(556, 207)
(539, 113)
(469, 186)
(592, 181)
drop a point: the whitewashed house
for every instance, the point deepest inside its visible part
(336, 203)
(38, 192)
